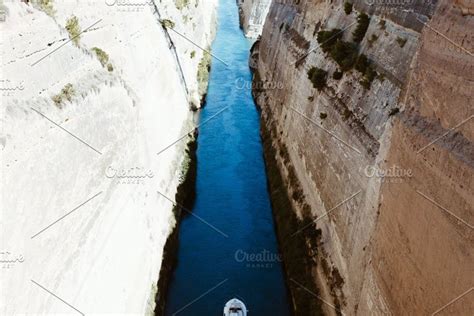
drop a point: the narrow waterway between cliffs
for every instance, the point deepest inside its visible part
(228, 247)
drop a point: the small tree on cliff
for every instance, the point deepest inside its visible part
(318, 77)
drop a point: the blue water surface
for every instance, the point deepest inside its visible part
(231, 197)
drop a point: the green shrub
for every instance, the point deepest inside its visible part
(363, 22)
(72, 27)
(323, 115)
(362, 63)
(369, 76)
(365, 67)
(203, 73)
(344, 54)
(103, 58)
(327, 39)
(348, 8)
(167, 23)
(401, 41)
(67, 92)
(45, 5)
(337, 75)
(181, 4)
(370, 73)
(101, 55)
(193, 54)
(318, 77)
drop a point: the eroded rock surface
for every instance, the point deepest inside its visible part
(252, 14)
(399, 244)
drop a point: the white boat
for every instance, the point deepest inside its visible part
(235, 307)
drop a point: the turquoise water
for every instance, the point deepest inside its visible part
(231, 251)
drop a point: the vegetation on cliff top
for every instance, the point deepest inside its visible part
(327, 39)
(337, 75)
(346, 54)
(45, 5)
(363, 22)
(347, 8)
(167, 23)
(103, 58)
(181, 4)
(67, 92)
(318, 77)
(203, 73)
(72, 27)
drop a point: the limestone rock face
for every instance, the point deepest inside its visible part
(466, 6)
(386, 173)
(252, 16)
(83, 116)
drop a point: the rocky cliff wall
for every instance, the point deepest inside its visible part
(92, 91)
(393, 213)
(252, 14)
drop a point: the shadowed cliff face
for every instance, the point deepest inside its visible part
(252, 14)
(386, 169)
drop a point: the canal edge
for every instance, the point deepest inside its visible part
(300, 253)
(185, 197)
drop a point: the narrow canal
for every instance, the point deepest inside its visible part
(231, 249)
